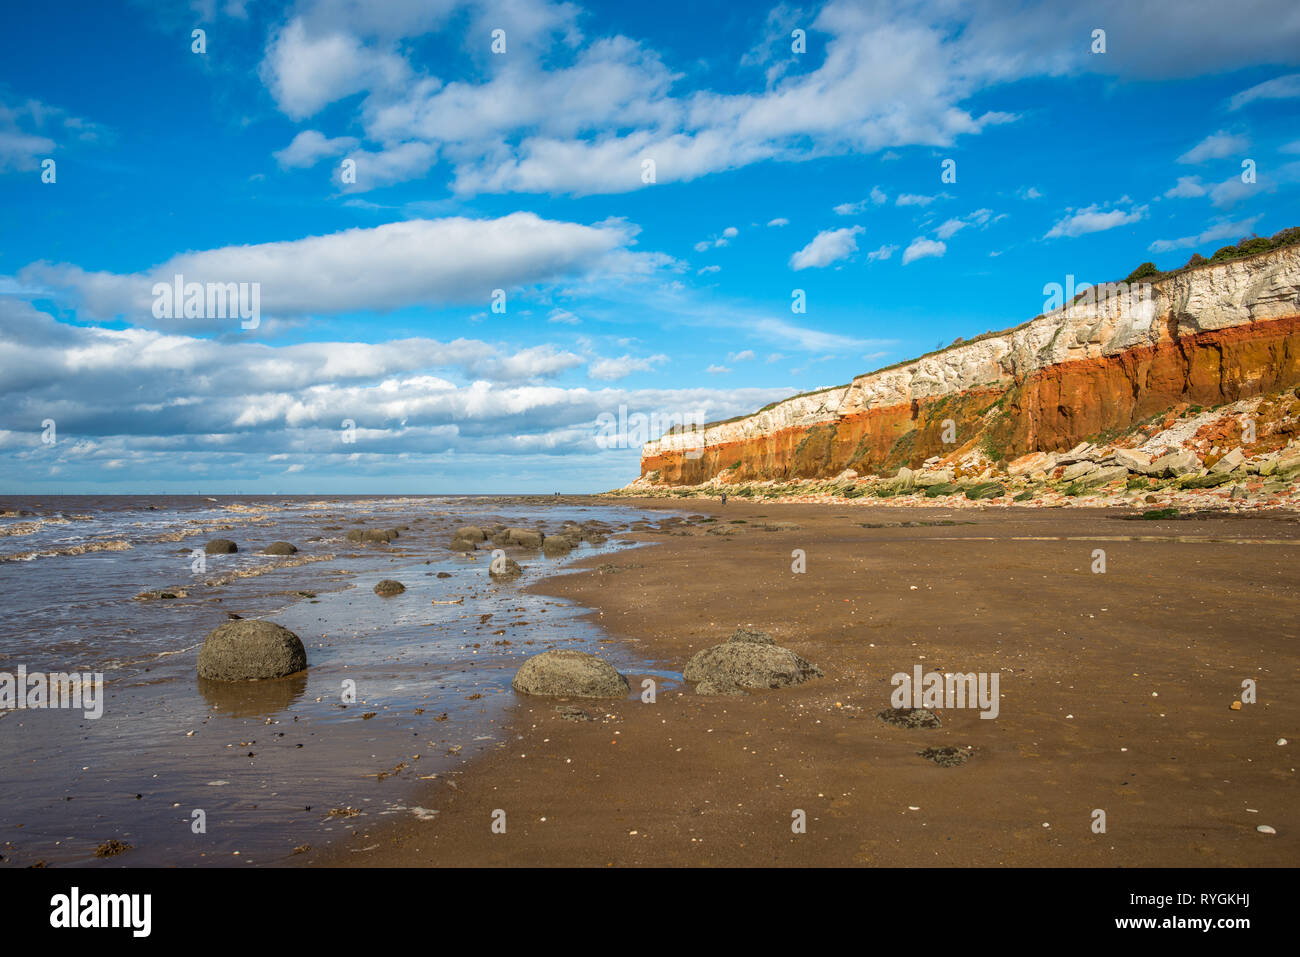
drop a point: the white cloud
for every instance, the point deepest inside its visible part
(1279, 88)
(887, 75)
(563, 316)
(779, 221)
(415, 262)
(745, 355)
(609, 370)
(708, 269)
(717, 370)
(1187, 187)
(884, 252)
(1094, 219)
(1215, 146)
(912, 199)
(28, 130)
(828, 246)
(309, 147)
(1219, 230)
(921, 247)
(950, 228)
(306, 70)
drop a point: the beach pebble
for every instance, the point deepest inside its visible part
(1265, 829)
(388, 588)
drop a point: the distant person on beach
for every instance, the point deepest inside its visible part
(724, 498)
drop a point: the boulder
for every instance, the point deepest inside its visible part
(470, 533)
(280, 548)
(525, 537)
(1033, 462)
(753, 637)
(1288, 462)
(1204, 481)
(1103, 476)
(943, 488)
(1084, 451)
(1078, 470)
(1175, 464)
(504, 569)
(556, 546)
(462, 545)
(388, 588)
(938, 477)
(985, 490)
(220, 546)
(1133, 460)
(569, 674)
(250, 650)
(1233, 460)
(372, 534)
(747, 664)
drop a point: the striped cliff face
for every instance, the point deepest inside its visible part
(1205, 336)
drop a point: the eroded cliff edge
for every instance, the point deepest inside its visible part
(1206, 336)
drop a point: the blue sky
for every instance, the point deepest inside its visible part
(775, 170)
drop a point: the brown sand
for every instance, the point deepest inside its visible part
(1115, 696)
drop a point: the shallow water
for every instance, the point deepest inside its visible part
(263, 764)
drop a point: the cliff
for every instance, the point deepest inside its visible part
(1205, 336)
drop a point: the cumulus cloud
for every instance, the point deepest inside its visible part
(563, 116)
(884, 252)
(415, 262)
(152, 407)
(828, 246)
(309, 147)
(1094, 219)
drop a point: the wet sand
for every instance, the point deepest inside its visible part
(1115, 694)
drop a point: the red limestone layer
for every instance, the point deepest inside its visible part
(1205, 336)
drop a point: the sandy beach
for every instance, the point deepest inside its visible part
(1116, 694)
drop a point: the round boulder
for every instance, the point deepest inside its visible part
(462, 545)
(220, 546)
(249, 650)
(747, 664)
(471, 533)
(569, 674)
(388, 588)
(504, 569)
(280, 548)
